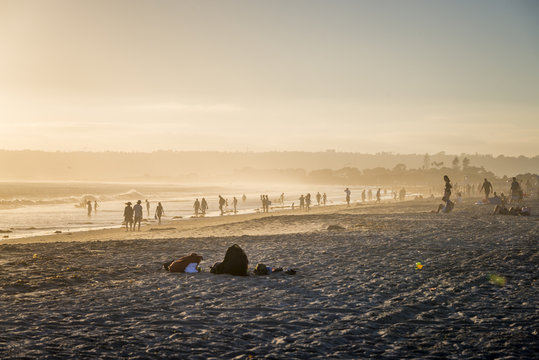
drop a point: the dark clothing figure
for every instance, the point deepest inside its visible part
(222, 203)
(235, 262)
(203, 206)
(516, 191)
(159, 211)
(180, 264)
(197, 207)
(447, 189)
(487, 187)
(137, 211)
(128, 216)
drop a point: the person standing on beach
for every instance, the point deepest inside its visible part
(147, 208)
(516, 191)
(308, 201)
(324, 199)
(203, 206)
(378, 195)
(281, 198)
(159, 211)
(487, 187)
(348, 192)
(89, 204)
(95, 206)
(222, 203)
(447, 189)
(235, 203)
(128, 216)
(363, 196)
(137, 210)
(301, 202)
(369, 194)
(244, 198)
(318, 198)
(197, 207)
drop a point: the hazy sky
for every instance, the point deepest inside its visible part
(361, 76)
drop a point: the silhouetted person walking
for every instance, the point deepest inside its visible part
(196, 205)
(159, 211)
(147, 208)
(222, 203)
(235, 203)
(137, 210)
(324, 199)
(128, 216)
(203, 206)
(487, 187)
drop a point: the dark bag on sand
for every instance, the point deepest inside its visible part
(235, 262)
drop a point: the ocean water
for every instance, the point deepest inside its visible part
(41, 208)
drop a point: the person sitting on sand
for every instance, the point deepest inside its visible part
(128, 216)
(187, 264)
(262, 269)
(137, 210)
(234, 263)
(513, 210)
(495, 200)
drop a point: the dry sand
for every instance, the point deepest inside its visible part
(357, 293)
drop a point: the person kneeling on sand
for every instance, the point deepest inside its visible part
(447, 208)
(234, 263)
(262, 269)
(187, 264)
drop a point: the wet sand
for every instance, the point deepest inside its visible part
(357, 292)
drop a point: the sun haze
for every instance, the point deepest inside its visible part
(358, 76)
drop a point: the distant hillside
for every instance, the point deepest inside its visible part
(206, 166)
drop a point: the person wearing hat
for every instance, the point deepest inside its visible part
(128, 216)
(137, 209)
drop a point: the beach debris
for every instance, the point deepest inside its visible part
(418, 265)
(57, 232)
(335, 227)
(178, 217)
(497, 280)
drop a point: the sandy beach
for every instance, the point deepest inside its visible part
(357, 292)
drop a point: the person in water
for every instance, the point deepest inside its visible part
(187, 264)
(348, 192)
(196, 205)
(159, 211)
(128, 216)
(137, 211)
(203, 206)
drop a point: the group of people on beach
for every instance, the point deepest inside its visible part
(517, 198)
(134, 215)
(234, 263)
